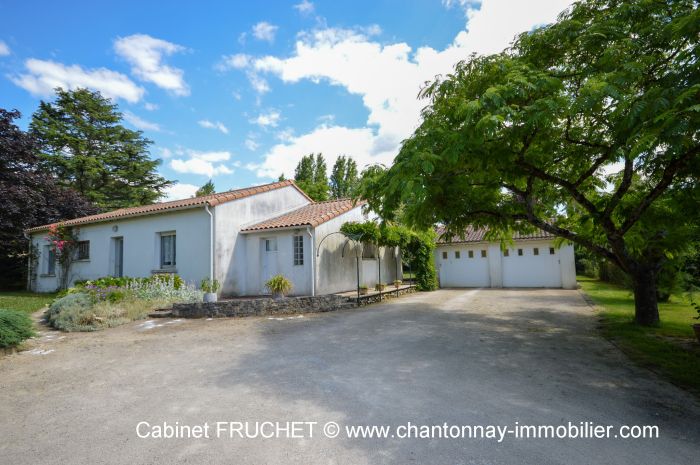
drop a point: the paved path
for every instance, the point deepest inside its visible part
(461, 357)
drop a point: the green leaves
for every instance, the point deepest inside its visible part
(87, 149)
(538, 134)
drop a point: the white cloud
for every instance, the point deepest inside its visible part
(268, 119)
(4, 49)
(140, 123)
(305, 7)
(251, 144)
(237, 61)
(202, 163)
(332, 141)
(218, 125)
(150, 106)
(180, 191)
(43, 76)
(165, 152)
(145, 55)
(387, 77)
(243, 61)
(265, 31)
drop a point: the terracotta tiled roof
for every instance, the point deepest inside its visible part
(309, 215)
(472, 234)
(194, 202)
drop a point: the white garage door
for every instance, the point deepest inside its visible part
(463, 267)
(531, 266)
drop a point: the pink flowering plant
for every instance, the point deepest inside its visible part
(63, 242)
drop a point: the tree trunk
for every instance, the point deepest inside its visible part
(646, 309)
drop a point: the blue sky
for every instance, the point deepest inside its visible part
(240, 91)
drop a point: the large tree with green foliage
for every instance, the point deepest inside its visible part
(207, 189)
(30, 197)
(83, 143)
(586, 128)
(343, 180)
(312, 177)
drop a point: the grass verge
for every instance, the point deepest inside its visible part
(24, 301)
(669, 349)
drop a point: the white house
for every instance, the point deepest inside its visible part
(240, 237)
(532, 260)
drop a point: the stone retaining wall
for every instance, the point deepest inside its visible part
(263, 306)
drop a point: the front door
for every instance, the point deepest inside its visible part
(269, 262)
(118, 250)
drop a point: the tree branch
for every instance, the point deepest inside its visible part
(622, 188)
(666, 179)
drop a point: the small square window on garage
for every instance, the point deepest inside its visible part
(471, 254)
(551, 251)
(536, 251)
(520, 252)
(483, 254)
(444, 255)
(457, 254)
(505, 253)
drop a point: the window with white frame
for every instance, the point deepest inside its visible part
(82, 252)
(49, 260)
(168, 248)
(271, 245)
(298, 249)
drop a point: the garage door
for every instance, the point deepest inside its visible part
(465, 267)
(531, 266)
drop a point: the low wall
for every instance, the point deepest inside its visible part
(263, 306)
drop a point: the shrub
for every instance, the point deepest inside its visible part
(278, 284)
(15, 327)
(72, 312)
(209, 285)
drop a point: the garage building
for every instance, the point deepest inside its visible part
(532, 260)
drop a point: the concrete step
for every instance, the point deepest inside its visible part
(166, 313)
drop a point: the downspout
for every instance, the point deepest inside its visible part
(313, 261)
(29, 261)
(211, 242)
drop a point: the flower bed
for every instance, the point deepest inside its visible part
(108, 302)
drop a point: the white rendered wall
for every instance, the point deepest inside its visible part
(280, 261)
(338, 273)
(497, 270)
(232, 266)
(141, 247)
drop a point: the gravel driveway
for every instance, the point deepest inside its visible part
(451, 357)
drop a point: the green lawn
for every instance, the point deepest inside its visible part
(669, 349)
(25, 301)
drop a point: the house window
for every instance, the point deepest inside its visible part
(444, 255)
(83, 250)
(505, 253)
(520, 252)
(551, 251)
(49, 261)
(167, 250)
(483, 254)
(471, 254)
(536, 251)
(457, 254)
(271, 245)
(298, 246)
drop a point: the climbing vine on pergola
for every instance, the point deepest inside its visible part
(417, 248)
